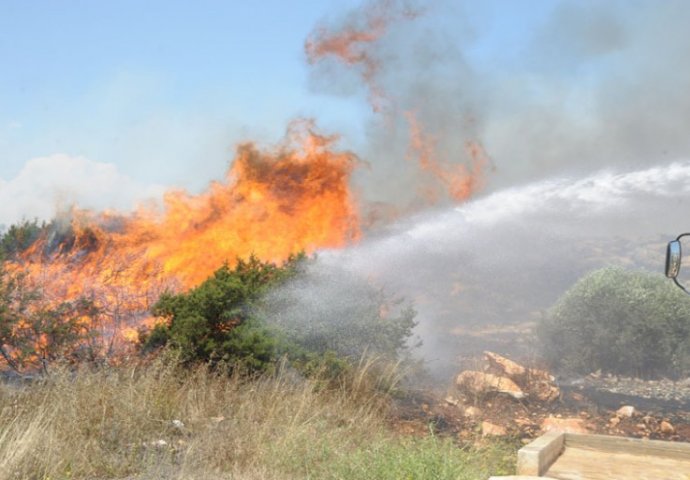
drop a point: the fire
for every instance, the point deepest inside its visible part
(459, 181)
(293, 198)
(356, 45)
(352, 45)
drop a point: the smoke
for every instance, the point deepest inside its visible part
(47, 185)
(578, 123)
(595, 84)
(601, 85)
(498, 262)
(421, 137)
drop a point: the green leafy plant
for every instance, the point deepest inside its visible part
(618, 321)
(243, 316)
(213, 322)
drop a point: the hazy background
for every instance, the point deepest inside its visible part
(107, 104)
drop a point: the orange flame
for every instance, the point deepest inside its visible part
(352, 44)
(459, 181)
(272, 204)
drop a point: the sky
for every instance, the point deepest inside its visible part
(108, 103)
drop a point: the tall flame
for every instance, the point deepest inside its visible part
(272, 204)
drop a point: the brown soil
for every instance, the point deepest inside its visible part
(446, 412)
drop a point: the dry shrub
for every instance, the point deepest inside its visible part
(118, 422)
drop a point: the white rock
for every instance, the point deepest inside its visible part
(626, 411)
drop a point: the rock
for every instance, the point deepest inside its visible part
(614, 421)
(450, 400)
(480, 383)
(545, 391)
(523, 422)
(567, 425)
(472, 412)
(536, 374)
(178, 424)
(492, 430)
(507, 367)
(625, 412)
(666, 427)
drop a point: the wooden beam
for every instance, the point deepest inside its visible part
(536, 457)
(635, 446)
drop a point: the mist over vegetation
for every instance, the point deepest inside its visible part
(630, 323)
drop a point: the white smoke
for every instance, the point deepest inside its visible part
(47, 185)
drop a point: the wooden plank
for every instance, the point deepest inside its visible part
(634, 446)
(587, 464)
(536, 457)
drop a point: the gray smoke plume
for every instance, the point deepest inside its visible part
(582, 121)
(597, 84)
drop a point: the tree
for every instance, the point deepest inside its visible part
(623, 322)
(20, 236)
(33, 333)
(213, 322)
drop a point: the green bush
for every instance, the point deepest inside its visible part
(255, 313)
(622, 322)
(213, 322)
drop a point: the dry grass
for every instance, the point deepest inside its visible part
(118, 424)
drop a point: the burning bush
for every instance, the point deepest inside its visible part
(623, 322)
(20, 237)
(34, 333)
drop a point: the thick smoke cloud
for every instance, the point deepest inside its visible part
(598, 84)
(417, 82)
(49, 184)
(602, 84)
(583, 123)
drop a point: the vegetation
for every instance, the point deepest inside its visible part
(20, 236)
(228, 320)
(618, 321)
(168, 421)
(247, 382)
(214, 323)
(34, 333)
(329, 310)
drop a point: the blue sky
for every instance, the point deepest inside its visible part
(149, 86)
(164, 89)
(159, 92)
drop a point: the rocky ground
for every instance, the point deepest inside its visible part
(499, 397)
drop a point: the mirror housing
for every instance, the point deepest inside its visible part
(674, 257)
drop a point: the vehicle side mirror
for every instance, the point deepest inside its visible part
(674, 256)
